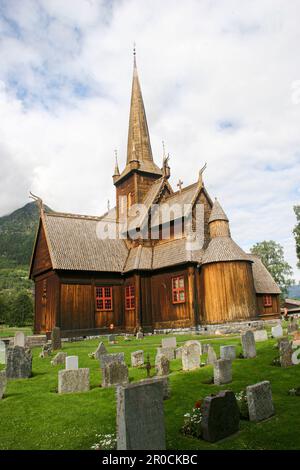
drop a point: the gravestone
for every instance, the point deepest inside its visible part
(211, 355)
(260, 403)
(204, 348)
(46, 350)
(166, 384)
(101, 349)
(140, 416)
(277, 331)
(18, 363)
(60, 358)
(169, 343)
(296, 354)
(285, 353)
(139, 335)
(2, 352)
(114, 373)
(191, 356)
(248, 344)
(106, 359)
(35, 340)
(178, 353)
(137, 358)
(260, 335)
(196, 343)
(222, 371)
(20, 339)
(228, 352)
(168, 352)
(111, 338)
(3, 383)
(55, 338)
(220, 416)
(293, 325)
(75, 380)
(71, 362)
(162, 365)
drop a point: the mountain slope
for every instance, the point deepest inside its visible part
(17, 232)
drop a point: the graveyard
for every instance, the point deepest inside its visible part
(35, 416)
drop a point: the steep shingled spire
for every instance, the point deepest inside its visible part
(217, 213)
(139, 147)
(117, 171)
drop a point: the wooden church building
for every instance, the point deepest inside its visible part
(87, 284)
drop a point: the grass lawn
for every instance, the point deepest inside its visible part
(7, 331)
(34, 416)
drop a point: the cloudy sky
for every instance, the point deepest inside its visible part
(221, 84)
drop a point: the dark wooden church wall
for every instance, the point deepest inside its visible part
(268, 311)
(46, 302)
(164, 312)
(42, 260)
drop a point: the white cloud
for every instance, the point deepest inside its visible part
(201, 64)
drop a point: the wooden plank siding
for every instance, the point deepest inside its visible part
(228, 291)
(46, 302)
(268, 312)
(42, 260)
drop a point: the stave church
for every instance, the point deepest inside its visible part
(168, 265)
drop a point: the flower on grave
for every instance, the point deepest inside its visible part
(198, 404)
(192, 422)
(105, 442)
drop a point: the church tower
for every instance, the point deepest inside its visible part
(140, 171)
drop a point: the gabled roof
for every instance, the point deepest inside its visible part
(74, 245)
(263, 281)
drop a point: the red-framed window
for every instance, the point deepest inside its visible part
(178, 290)
(129, 297)
(104, 301)
(267, 301)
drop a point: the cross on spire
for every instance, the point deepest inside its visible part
(179, 184)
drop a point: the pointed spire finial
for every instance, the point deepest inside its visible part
(134, 54)
(117, 171)
(201, 173)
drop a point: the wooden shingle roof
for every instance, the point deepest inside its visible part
(263, 281)
(223, 249)
(217, 212)
(74, 245)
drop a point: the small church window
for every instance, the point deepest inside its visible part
(267, 301)
(104, 299)
(129, 297)
(178, 290)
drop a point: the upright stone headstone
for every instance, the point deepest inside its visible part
(114, 373)
(20, 339)
(260, 335)
(139, 335)
(211, 355)
(222, 371)
(2, 352)
(19, 363)
(228, 352)
(162, 365)
(56, 338)
(166, 384)
(168, 352)
(248, 344)
(75, 380)
(178, 353)
(46, 350)
(285, 353)
(293, 325)
(140, 417)
(191, 356)
(106, 359)
(3, 382)
(101, 349)
(137, 358)
(71, 362)
(169, 342)
(196, 343)
(60, 358)
(220, 416)
(277, 331)
(260, 403)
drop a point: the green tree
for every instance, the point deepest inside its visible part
(296, 233)
(272, 256)
(21, 309)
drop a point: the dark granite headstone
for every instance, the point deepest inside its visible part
(19, 363)
(55, 338)
(220, 416)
